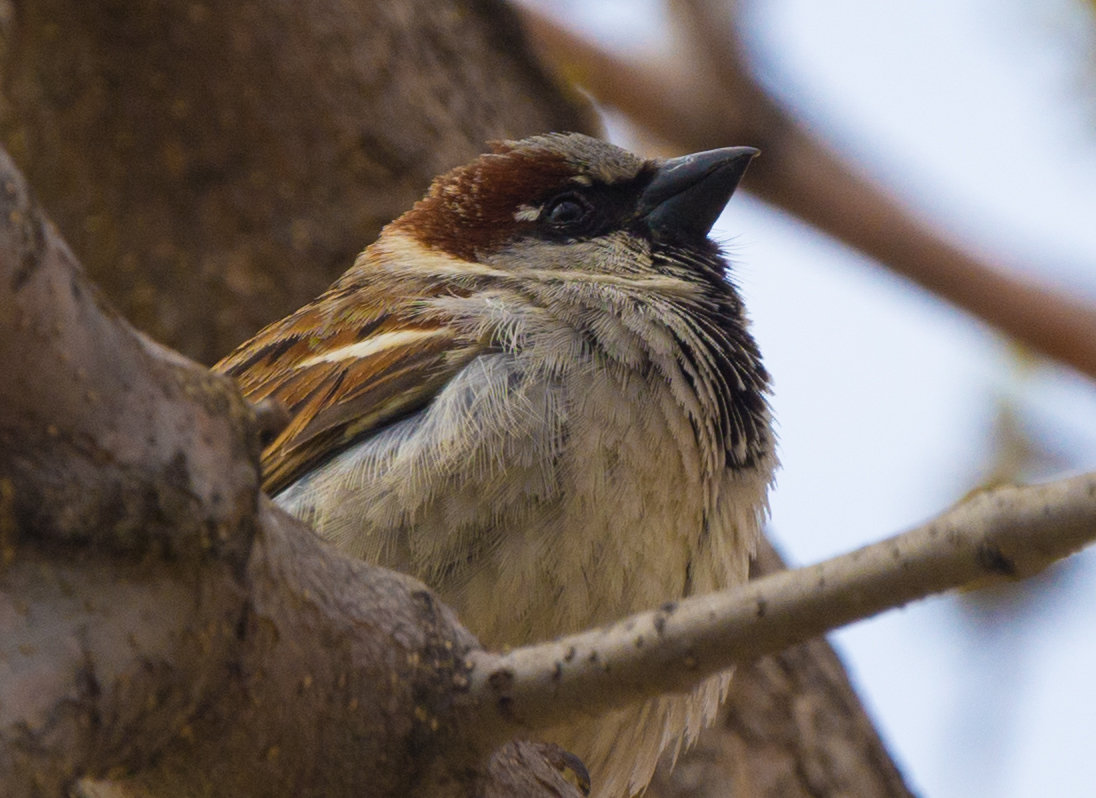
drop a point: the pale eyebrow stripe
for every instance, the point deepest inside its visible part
(370, 346)
(527, 213)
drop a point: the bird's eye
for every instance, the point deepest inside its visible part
(568, 211)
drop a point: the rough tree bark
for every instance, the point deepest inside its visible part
(215, 164)
(162, 625)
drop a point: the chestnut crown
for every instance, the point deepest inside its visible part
(567, 187)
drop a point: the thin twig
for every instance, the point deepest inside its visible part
(1011, 532)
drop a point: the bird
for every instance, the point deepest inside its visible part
(537, 391)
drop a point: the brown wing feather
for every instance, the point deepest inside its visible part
(341, 375)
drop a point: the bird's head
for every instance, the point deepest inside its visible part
(569, 201)
(564, 230)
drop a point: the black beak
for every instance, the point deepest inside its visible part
(688, 193)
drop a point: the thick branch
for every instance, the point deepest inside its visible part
(127, 488)
(1009, 532)
(156, 619)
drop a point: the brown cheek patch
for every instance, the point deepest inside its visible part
(470, 210)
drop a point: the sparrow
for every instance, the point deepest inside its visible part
(537, 392)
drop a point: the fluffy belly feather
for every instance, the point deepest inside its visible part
(541, 504)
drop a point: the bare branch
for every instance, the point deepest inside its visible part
(1010, 532)
(702, 105)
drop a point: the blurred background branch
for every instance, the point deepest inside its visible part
(707, 96)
